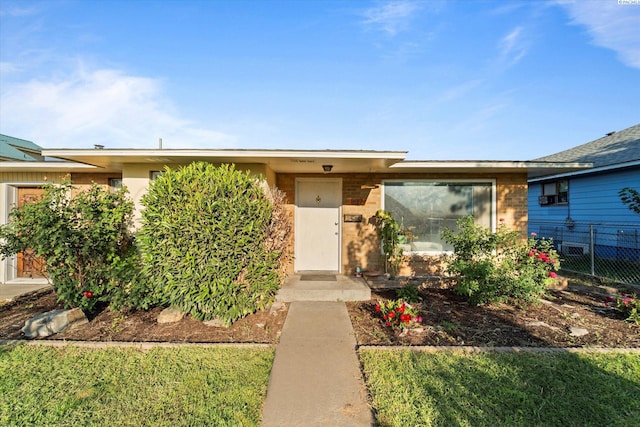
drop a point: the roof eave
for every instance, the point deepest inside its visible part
(45, 167)
(587, 171)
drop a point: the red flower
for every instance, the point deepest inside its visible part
(388, 323)
(401, 309)
(553, 274)
(385, 317)
(377, 307)
(87, 294)
(392, 314)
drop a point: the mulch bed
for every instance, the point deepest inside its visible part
(448, 320)
(141, 326)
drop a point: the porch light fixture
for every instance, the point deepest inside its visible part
(327, 168)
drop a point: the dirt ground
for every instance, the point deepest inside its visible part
(141, 326)
(448, 320)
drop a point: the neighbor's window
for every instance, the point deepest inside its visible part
(115, 183)
(554, 193)
(153, 175)
(424, 208)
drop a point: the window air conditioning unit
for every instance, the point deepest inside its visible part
(545, 200)
(574, 249)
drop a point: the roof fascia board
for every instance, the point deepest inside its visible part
(347, 154)
(588, 171)
(44, 166)
(489, 164)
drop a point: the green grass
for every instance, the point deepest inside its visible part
(186, 386)
(497, 389)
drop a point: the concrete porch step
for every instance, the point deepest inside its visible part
(343, 288)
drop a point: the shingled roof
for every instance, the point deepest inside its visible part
(614, 148)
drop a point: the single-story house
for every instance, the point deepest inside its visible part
(331, 195)
(581, 209)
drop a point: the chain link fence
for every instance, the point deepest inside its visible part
(605, 250)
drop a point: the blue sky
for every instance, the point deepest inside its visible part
(444, 80)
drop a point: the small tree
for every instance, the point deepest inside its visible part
(390, 234)
(84, 240)
(631, 198)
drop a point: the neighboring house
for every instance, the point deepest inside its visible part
(332, 195)
(581, 209)
(15, 149)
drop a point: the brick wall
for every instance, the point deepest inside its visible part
(361, 195)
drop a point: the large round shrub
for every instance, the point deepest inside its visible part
(203, 242)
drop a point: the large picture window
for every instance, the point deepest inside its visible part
(424, 208)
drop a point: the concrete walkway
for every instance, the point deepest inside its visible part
(316, 378)
(12, 291)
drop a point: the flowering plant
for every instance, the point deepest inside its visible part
(629, 305)
(398, 314)
(500, 266)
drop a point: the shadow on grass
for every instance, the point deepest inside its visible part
(454, 388)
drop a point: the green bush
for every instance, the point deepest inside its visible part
(203, 243)
(500, 266)
(84, 240)
(409, 293)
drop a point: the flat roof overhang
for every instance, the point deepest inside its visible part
(280, 161)
(304, 161)
(50, 166)
(532, 169)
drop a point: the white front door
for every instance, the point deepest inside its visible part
(317, 224)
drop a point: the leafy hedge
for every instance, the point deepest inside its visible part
(203, 243)
(84, 240)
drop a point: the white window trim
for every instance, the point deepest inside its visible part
(491, 181)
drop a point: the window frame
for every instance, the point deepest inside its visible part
(556, 195)
(458, 181)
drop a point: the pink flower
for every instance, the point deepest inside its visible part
(534, 234)
(553, 274)
(417, 319)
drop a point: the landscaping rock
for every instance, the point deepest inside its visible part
(577, 332)
(170, 315)
(542, 324)
(216, 323)
(52, 322)
(276, 306)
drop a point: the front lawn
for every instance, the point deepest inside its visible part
(184, 386)
(488, 389)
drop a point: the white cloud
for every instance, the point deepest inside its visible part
(104, 107)
(611, 25)
(19, 11)
(391, 17)
(513, 46)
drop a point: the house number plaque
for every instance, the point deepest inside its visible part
(353, 218)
